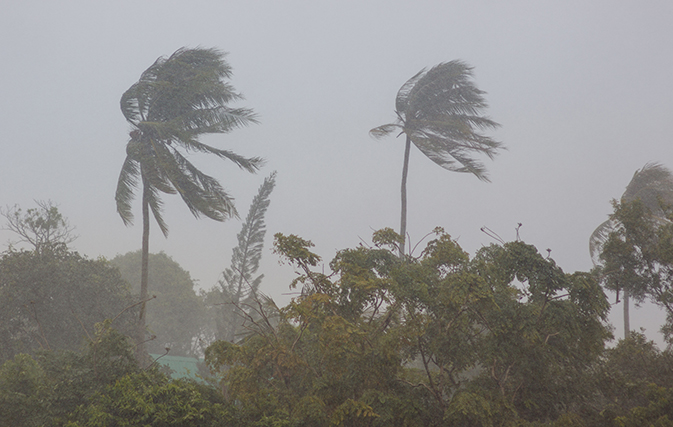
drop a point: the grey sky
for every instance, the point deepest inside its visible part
(583, 91)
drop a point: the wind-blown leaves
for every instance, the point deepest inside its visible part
(652, 185)
(175, 101)
(440, 111)
(238, 286)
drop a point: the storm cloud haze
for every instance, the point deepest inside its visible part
(582, 91)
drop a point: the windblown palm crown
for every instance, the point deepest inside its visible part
(439, 111)
(652, 185)
(175, 101)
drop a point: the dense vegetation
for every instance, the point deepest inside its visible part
(504, 338)
(379, 337)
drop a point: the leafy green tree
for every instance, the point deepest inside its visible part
(544, 337)
(440, 339)
(49, 388)
(629, 371)
(147, 399)
(238, 288)
(638, 256)
(440, 111)
(652, 185)
(44, 227)
(177, 100)
(52, 300)
(177, 314)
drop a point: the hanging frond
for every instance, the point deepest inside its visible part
(126, 186)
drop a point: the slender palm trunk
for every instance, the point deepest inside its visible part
(403, 216)
(141, 346)
(627, 326)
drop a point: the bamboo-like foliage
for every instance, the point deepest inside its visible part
(440, 112)
(238, 287)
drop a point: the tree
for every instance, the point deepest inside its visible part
(434, 340)
(439, 111)
(102, 385)
(177, 100)
(177, 314)
(638, 256)
(44, 227)
(652, 185)
(53, 300)
(238, 287)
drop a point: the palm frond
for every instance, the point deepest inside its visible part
(126, 186)
(177, 99)
(201, 193)
(455, 158)
(401, 101)
(384, 130)
(440, 109)
(598, 238)
(156, 206)
(652, 185)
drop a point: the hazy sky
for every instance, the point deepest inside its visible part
(583, 91)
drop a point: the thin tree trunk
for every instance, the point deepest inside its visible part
(627, 326)
(403, 216)
(141, 346)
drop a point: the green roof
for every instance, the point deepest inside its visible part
(182, 367)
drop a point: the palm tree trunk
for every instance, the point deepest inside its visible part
(627, 326)
(141, 346)
(403, 216)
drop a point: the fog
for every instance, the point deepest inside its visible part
(582, 92)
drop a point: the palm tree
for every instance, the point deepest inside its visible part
(439, 110)
(175, 101)
(652, 185)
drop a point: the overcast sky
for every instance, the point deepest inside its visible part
(583, 91)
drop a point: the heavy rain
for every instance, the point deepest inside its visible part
(567, 102)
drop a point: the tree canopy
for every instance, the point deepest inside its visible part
(52, 300)
(177, 314)
(432, 340)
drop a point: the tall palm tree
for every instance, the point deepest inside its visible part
(439, 111)
(652, 185)
(175, 101)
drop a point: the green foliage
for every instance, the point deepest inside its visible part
(177, 314)
(175, 101)
(629, 372)
(638, 256)
(658, 412)
(233, 298)
(102, 386)
(48, 388)
(440, 111)
(440, 339)
(52, 300)
(147, 399)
